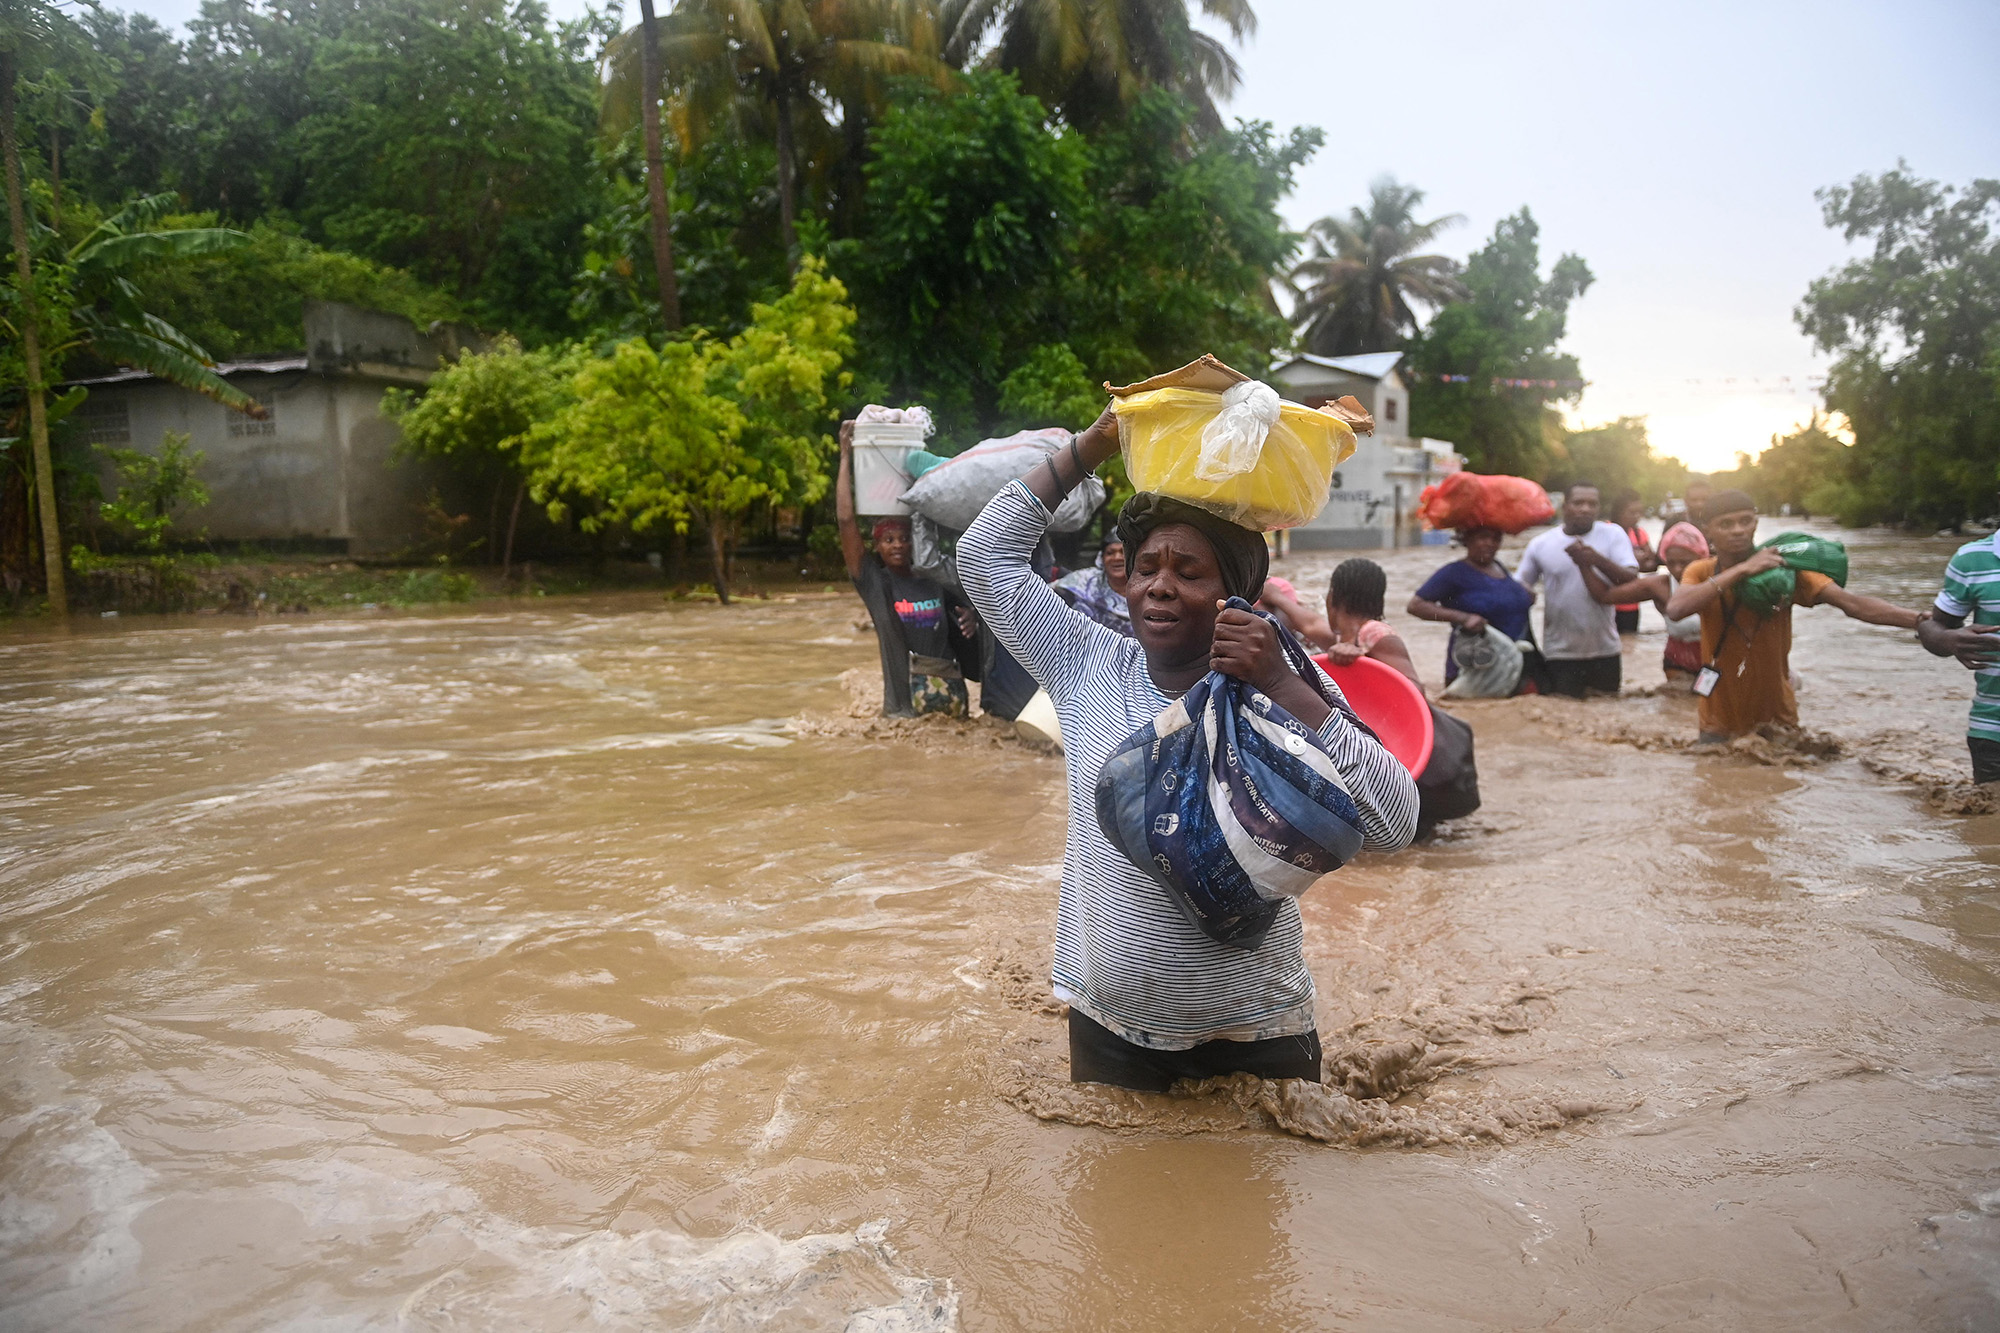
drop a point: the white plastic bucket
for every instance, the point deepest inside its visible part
(1038, 720)
(879, 478)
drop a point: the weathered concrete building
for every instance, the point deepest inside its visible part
(1373, 500)
(321, 469)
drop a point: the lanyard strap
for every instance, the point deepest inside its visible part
(1730, 606)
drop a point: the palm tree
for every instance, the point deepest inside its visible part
(106, 315)
(656, 183)
(774, 66)
(1354, 291)
(1089, 59)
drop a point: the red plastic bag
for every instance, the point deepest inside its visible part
(1469, 500)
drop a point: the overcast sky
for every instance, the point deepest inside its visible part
(1676, 148)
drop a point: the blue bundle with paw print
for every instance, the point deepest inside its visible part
(1230, 803)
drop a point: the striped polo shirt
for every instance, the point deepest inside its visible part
(1972, 590)
(1125, 955)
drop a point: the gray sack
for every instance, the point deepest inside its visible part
(952, 493)
(1489, 666)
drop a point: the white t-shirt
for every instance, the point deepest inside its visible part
(1575, 625)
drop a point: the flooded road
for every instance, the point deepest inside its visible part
(588, 965)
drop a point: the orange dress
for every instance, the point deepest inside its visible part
(1752, 654)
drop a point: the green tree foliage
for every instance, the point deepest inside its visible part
(1614, 457)
(446, 140)
(725, 242)
(778, 65)
(784, 373)
(973, 204)
(250, 301)
(108, 321)
(1507, 328)
(481, 412)
(95, 315)
(1092, 60)
(134, 135)
(1808, 470)
(1180, 241)
(1356, 287)
(996, 240)
(450, 138)
(1914, 329)
(152, 486)
(701, 430)
(1050, 386)
(484, 405)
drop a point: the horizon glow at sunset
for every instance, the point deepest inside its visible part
(1704, 424)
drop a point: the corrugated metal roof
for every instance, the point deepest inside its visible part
(268, 365)
(1371, 365)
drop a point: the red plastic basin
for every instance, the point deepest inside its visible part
(1387, 701)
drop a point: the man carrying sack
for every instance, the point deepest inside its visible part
(1746, 675)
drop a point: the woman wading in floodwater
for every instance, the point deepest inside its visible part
(1152, 999)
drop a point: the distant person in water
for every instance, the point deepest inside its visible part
(1626, 511)
(1971, 593)
(1750, 654)
(1680, 546)
(1448, 784)
(1099, 592)
(927, 635)
(1696, 501)
(1472, 593)
(1352, 627)
(1580, 648)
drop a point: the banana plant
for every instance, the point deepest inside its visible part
(87, 301)
(108, 316)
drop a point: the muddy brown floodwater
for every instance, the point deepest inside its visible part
(588, 966)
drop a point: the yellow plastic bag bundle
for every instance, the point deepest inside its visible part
(1213, 437)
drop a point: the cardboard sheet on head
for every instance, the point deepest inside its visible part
(1161, 425)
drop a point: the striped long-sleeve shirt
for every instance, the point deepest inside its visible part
(1125, 955)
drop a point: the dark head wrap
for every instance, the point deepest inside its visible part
(1239, 552)
(1725, 502)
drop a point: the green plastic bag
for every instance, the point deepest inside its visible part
(1766, 592)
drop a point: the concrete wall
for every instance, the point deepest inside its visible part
(1317, 538)
(1362, 502)
(347, 339)
(322, 468)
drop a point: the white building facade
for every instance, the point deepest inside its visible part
(1371, 504)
